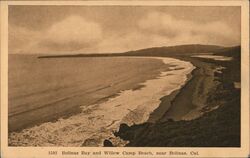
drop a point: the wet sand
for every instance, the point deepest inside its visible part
(192, 97)
(186, 103)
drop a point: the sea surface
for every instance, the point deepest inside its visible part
(81, 101)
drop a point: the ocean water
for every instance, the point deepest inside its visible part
(81, 101)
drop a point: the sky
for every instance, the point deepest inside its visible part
(115, 29)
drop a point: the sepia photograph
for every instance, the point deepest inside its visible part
(125, 76)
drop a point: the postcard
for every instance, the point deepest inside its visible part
(124, 79)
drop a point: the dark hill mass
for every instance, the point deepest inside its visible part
(158, 51)
(176, 50)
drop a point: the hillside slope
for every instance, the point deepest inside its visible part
(217, 128)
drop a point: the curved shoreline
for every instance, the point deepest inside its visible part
(189, 67)
(66, 96)
(111, 122)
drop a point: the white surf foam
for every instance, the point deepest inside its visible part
(97, 122)
(214, 57)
